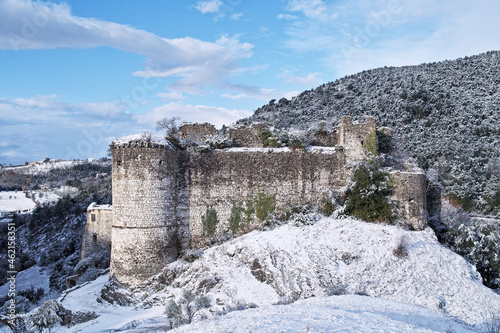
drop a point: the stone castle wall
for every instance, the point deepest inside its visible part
(161, 193)
(246, 136)
(196, 132)
(221, 179)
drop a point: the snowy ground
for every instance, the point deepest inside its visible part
(430, 290)
(349, 313)
(12, 201)
(16, 201)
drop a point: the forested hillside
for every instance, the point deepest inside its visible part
(446, 115)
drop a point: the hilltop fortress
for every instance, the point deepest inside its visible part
(167, 199)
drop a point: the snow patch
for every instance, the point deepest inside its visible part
(154, 138)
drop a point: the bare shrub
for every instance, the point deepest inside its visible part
(401, 248)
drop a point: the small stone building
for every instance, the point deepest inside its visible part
(97, 234)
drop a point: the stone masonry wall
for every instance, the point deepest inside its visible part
(410, 195)
(246, 136)
(196, 132)
(357, 138)
(145, 204)
(97, 234)
(221, 179)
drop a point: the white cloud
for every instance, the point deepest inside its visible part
(41, 126)
(45, 109)
(312, 9)
(291, 94)
(287, 17)
(197, 64)
(173, 95)
(216, 62)
(373, 33)
(266, 32)
(192, 113)
(250, 92)
(212, 6)
(310, 80)
(236, 16)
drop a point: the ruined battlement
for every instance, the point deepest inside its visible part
(167, 199)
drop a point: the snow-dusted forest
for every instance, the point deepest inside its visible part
(446, 115)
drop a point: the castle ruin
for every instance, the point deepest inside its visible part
(167, 199)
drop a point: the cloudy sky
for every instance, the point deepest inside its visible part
(74, 75)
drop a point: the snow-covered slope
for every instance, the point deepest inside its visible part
(350, 313)
(343, 256)
(42, 167)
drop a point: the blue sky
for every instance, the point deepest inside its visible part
(74, 75)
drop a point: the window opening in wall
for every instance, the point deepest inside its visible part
(92, 217)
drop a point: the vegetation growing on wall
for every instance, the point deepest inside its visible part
(210, 221)
(370, 144)
(280, 139)
(235, 218)
(268, 139)
(368, 199)
(169, 125)
(265, 206)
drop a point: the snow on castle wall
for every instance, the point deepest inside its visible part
(161, 194)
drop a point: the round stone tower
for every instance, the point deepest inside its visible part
(145, 232)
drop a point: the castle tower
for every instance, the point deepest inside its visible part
(145, 228)
(411, 198)
(358, 139)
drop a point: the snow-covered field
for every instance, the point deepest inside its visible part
(349, 313)
(16, 201)
(13, 201)
(430, 290)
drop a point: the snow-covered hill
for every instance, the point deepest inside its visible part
(445, 113)
(439, 289)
